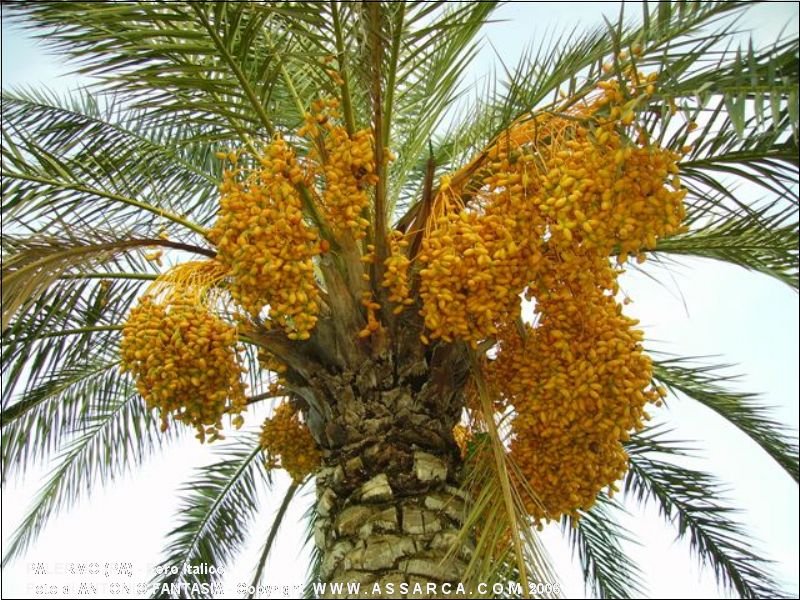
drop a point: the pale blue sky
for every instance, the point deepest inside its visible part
(741, 317)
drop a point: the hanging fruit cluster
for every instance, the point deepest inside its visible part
(347, 163)
(262, 238)
(539, 214)
(603, 193)
(395, 277)
(270, 363)
(288, 443)
(395, 280)
(185, 362)
(475, 266)
(578, 382)
(462, 435)
(573, 182)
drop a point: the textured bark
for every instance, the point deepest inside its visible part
(388, 499)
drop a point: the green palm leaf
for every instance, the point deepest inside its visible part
(706, 384)
(218, 504)
(108, 439)
(597, 539)
(762, 240)
(169, 163)
(273, 532)
(198, 64)
(693, 502)
(34, 263)
(572, 62)
(434, 56)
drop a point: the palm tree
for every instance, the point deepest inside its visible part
(235, 139)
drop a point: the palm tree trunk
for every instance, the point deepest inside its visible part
(389, 507)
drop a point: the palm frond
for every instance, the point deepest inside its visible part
(707, 385)
(208, 64)
(218, 503)
(760, 239)
(57, 327)
(41, 189)
(59, 355)
(273, 532)
(308, 41)
(506, 548)
(168, 162)
(35, 426)
(572, 63)
(315, 563)
(745, 78)
(495, 555)
(693, 502)
(33, 264)
(108, 439)
(765, 157)
(596, 537)
(434, 56)
(725, 173)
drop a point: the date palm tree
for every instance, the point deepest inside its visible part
(403, 426)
